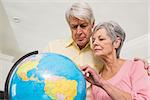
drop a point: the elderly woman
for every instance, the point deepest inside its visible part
(120, 79)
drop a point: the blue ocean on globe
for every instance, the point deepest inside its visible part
(47, 76)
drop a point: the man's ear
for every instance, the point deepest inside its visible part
(117, 42)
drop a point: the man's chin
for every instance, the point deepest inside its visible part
(82, 43)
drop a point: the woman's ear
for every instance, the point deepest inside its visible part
(117, 42)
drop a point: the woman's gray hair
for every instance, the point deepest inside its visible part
(113, 30)
(81, 11)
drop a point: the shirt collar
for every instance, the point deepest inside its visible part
(69, 42)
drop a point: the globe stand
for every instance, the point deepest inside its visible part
(45, 76)
(2, 95)
(5, 95)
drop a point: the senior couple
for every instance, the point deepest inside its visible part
(109, 76)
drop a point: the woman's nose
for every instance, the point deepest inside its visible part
(95, 43)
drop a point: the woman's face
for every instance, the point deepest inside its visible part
(102, 43)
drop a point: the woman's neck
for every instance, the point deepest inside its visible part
(112, 63)
(111, 67)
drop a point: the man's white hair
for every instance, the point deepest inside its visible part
(81, 11)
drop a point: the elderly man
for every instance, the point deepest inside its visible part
(81, 21)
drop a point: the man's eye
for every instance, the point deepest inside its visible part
(74, 27)
(83, 26)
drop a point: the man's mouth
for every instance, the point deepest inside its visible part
(81, 39)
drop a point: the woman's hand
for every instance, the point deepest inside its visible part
(93, 77)
(90, 75)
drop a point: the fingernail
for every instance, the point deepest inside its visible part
(87, 74)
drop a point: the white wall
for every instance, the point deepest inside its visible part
(149, 29)
(137, 47)
(8, 43)
(5, 66)
(148, 16)
(41, 21)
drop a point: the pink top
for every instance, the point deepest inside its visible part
(132, 78)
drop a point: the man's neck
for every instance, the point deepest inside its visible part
(81, 47)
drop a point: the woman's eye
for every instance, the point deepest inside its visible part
(101, 39)
(93, 40)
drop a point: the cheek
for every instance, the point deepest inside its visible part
(73, 33)
(108, 47)
(88, 33)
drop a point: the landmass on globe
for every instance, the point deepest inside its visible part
(56, 87)
(22, 70)
(59, 88)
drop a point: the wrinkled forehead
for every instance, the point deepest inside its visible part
(75, 20)
(99, 32)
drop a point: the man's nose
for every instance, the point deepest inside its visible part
(79, 30)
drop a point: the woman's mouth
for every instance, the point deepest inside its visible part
(97, 49)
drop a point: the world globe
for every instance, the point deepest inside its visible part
(46, 76)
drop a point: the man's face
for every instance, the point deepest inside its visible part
(81, 31)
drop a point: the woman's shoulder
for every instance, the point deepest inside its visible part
(134, 64)
(137, 68)
(139, 65)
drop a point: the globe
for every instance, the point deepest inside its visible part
(46, 76)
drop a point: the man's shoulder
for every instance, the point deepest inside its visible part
(57, 46)
(61, 42)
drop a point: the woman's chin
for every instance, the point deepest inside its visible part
(97, 54)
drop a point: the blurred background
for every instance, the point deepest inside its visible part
(28, 25)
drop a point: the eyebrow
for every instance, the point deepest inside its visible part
(80, 24)
(99, 36)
